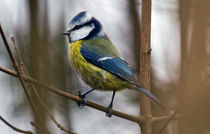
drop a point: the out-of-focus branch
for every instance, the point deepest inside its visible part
(135, 40)
(24, 71)
(194, 94)
(19, 75)
(15, 128)
(40, 128)
(167, 122)
(18, 55)
(163, 118)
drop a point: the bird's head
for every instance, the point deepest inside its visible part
(83, 27)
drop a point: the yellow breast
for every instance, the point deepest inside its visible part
(91, 74)
(75, 55)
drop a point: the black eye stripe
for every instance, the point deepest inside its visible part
(95, 31)
(76, 27)
(86, 24)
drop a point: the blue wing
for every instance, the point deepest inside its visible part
(115, 65)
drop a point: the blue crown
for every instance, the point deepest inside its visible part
(78, 16)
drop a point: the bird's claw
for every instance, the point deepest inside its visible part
(109, 111)
(82, 95)
(84, 101)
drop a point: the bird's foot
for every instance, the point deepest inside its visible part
(82, 95)
(84, 101)
(109, 111)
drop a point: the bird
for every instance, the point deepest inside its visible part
(97, 61)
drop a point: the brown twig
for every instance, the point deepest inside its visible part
(39, 127)
(24, 71)
(15, 128)
(19, 75)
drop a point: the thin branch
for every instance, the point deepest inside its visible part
(39, 127)
(163, 118)
(24, 71)
(167, 122)
(59, 125)
(19, 75)
(15, 128)
(18, 55)
(136, 119)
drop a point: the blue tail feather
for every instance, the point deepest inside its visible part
(150, 95)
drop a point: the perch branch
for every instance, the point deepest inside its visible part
(72, 97)
(15, 128)
(77, 99)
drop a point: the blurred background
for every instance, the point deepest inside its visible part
(180, 72)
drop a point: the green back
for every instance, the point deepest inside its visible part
(102, 45)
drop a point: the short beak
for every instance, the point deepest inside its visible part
(66, 32)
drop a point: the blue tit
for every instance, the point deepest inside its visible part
(97, 61)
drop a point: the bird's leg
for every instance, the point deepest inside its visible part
(109, 108)
(82, 95)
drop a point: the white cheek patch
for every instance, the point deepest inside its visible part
(81, 33)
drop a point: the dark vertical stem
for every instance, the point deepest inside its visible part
(145, 30)
(184, 17)
(33, 35)
(135, 41)
(38, 48)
